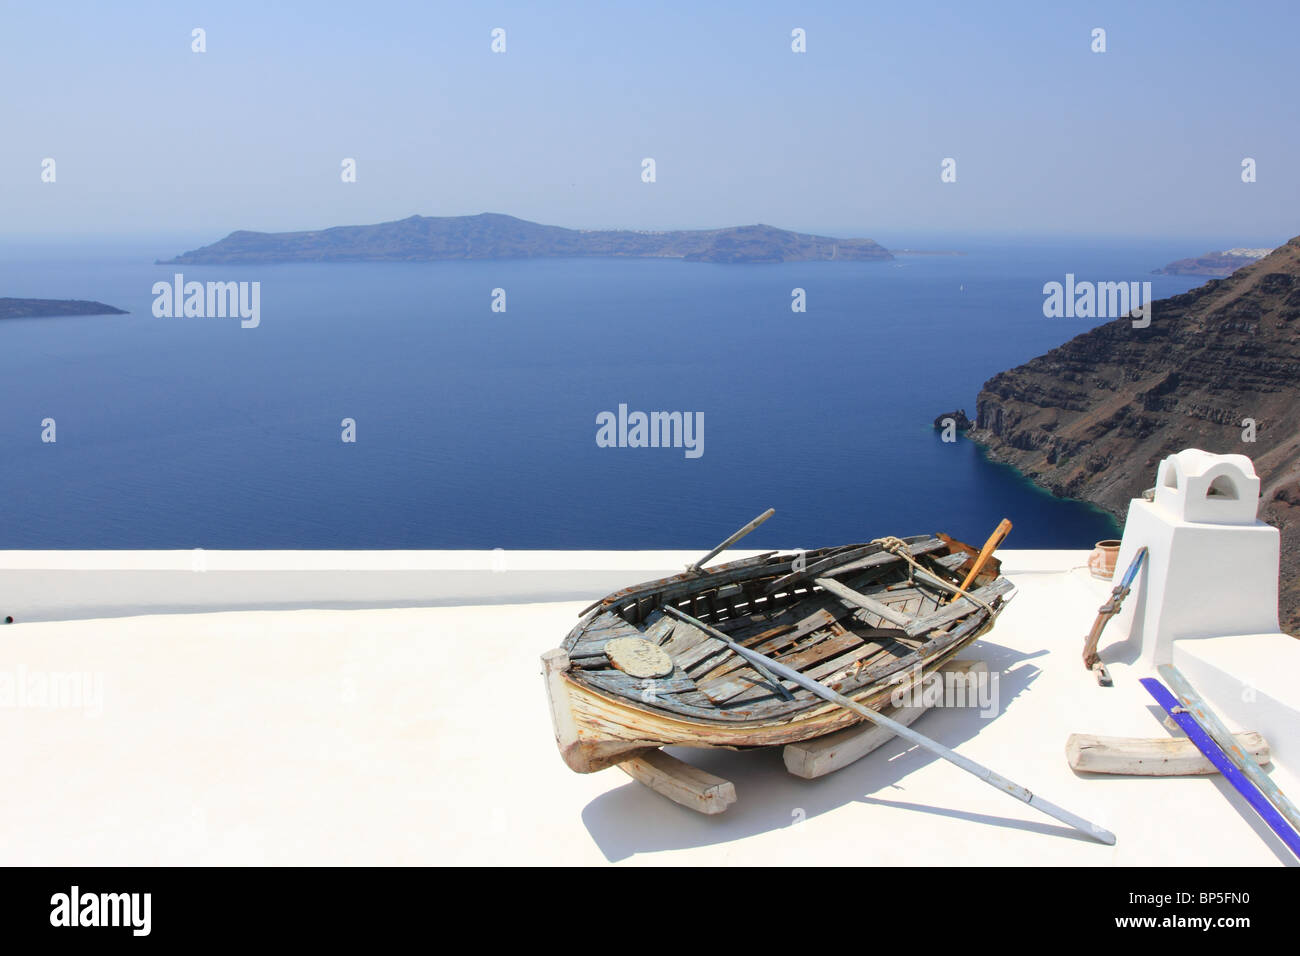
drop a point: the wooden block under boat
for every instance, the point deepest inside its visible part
(680, 782)
(1151, 757)
(822, 755)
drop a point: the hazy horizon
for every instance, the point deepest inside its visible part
(1142, 141)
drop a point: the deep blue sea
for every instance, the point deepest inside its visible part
(477, 429)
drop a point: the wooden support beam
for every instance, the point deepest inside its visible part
(1151, 757)
(680, 782)
(822, 755)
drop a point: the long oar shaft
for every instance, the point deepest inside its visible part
(902, 730)
(732, 540)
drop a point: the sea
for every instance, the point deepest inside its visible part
(477, 427)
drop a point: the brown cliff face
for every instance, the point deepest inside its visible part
(1093, 418)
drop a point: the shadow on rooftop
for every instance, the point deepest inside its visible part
(632, 819)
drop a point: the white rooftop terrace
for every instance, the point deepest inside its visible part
(388, 708)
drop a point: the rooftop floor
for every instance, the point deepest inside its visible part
(422, 736)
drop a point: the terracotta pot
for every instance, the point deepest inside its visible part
(1101, 562)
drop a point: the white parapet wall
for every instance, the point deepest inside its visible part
(77, 585)
(70, 585)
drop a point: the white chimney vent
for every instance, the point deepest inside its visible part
(1212, 565)
(1198, 487)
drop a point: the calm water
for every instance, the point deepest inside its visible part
(477, 429)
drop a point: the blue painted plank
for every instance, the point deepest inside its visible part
(1197, 735)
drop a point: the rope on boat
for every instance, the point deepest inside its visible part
(898, 547)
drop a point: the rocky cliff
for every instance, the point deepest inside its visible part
(495, 236)
(1218, 368)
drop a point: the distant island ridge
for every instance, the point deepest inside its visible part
(497, 236)
(1217, 264)
(48, 308)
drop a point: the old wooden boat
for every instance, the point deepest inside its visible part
(866, 620)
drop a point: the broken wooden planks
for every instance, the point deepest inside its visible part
(713, 634)
(1150, 757)
(680, 782)
(822, 755)
(606, 627)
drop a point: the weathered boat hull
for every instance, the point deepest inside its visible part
(607, 731)
(596, 728)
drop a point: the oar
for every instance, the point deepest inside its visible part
(996, 538)
(761, 662)
(693, 568)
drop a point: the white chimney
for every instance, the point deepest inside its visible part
(1212, 565)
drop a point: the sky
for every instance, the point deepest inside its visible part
(847, 138)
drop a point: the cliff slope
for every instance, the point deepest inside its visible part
(1092, 418)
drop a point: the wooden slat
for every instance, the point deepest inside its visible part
(952, 561)
(818, 620)
(604, 621)
(866, 653)
(766, 641)
(625, 685)
(705, 650)
(684, 637)
(784, 636)
(805, 657)
(722, 689)
(659, 629)
(594, 640)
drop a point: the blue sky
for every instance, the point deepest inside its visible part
(1050, 138)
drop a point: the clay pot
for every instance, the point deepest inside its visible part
(1101, 562)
